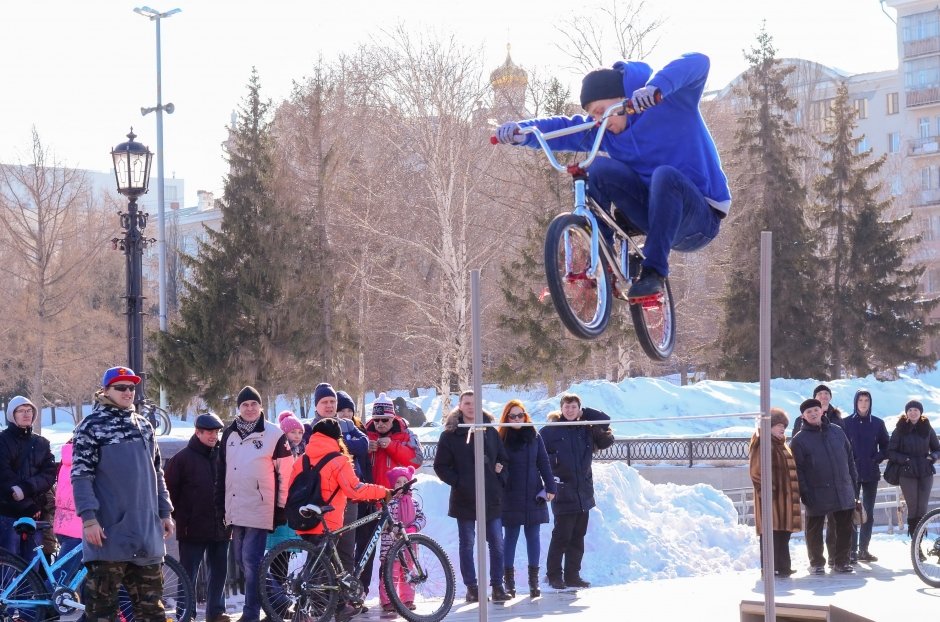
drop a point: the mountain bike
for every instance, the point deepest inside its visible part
(925, 548)
(38, 590)
(158, 418)
(585, 272)
(304, 581)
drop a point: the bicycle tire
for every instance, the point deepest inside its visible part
(164, 425)
(179, 595)
(926, 541)
(297, 582)
(31, 588)
(432, 579)
(655, 325)
(583, 301)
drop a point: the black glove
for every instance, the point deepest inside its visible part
(280, 516)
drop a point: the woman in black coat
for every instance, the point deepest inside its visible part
(914, 446)
(530, 486)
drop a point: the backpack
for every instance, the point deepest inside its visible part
(304, 490)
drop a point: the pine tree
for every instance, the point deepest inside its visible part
(770, 196)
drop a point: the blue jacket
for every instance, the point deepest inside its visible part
(869, 439)
(672, 133)
(529, 473)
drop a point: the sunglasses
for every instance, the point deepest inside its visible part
(515, 416)
(381, 419)
(122, 387)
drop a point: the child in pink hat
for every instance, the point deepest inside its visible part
(407, 510)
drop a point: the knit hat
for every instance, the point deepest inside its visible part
(289, 422)
(777, 416)
(601, 84)
(914, 404)
(343, 401)
(15, 403)
(323, 390)
(403, 471)
(383, 407)
(209, 421)
(807, 404)
(116, 374)
(327, 426)
(246, 394)
(821, 387)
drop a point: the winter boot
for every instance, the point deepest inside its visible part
(499, 594)
(473, 594)
(509, 580)
(534, 591)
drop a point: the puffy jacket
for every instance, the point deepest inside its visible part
(67, 521)
(832, 414)
(338, 476)
(191, 476)
(26, 461)
(869, 439)
(356, 443)
(570, 453)
(911, 445)
(529, 473)
(454, 465)
(825, 467)
(403, 450)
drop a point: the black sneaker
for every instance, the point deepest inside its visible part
(473, 594)
(843, 568)
(817, 570)
(649, 284)
(576, 581)
(865, 556)
(853, 559)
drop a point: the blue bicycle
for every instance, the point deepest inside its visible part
(38, 590)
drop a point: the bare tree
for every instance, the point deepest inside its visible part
(608, 32)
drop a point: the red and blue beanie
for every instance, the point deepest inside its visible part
(116, 374)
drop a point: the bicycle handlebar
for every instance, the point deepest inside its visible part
(310, 509)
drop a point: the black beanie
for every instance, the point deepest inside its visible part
(248, 393)
(601, 84)
(327, 426)
(914, 404)
(343, 400)
(822, 387)
(807, 404)
(324, 389)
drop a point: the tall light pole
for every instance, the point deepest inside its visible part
(156, 16)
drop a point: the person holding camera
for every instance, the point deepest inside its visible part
(530, 486)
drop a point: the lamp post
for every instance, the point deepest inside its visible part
(156, 16)
(132, 172)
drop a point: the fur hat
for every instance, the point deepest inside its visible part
(324, 389)
(822, 387)
(289, 422)
(344, 401)
(327, 426)
(247, 394)
(403, 471)
(777, 416)
(383, 407)
(914, 404)
(807, 404)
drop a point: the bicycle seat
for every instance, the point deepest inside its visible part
(29, 526)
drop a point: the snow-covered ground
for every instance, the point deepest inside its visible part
(640, 530)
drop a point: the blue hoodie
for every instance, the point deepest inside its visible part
(672, 133)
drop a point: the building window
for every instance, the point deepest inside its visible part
(897, 188)
(862, 145)
(894, 142)
(933, 280)
(861, 107)
(893, 103)
(923, 127)
(920, 26)
(925, 178)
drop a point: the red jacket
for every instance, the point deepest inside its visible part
(401, 451)
(337, 473)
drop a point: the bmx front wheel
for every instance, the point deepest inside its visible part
(582, 298)
(654, 320)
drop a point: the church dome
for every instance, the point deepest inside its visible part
(508, 74)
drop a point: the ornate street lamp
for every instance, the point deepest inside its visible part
(132, 172)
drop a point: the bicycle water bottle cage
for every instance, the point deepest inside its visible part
(25, 525)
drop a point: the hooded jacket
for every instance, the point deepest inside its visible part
(26, 461)
(671, 133)
(570, 453)
(825, 467)
(454, 465)
(869, 439)
(403, 449)
(356, 442)
(914, 447)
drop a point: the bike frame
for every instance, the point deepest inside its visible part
(49, 570)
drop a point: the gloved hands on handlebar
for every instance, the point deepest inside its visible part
(506, 134)
(644, 98)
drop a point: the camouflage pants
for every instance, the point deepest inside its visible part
(144, 585)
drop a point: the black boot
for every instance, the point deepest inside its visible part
(473, 594)
(912, 525)
(499, 594)
(534, 591)
(509, 580)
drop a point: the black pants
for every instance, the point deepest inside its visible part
(782, 562)
(568, 543)
(215, 553)
(363, 537)
(841, 528)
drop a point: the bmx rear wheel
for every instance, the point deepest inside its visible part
(654, 319)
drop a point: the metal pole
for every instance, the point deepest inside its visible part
(161, 214)
(478, 438)
(766, 486)
(133, 223)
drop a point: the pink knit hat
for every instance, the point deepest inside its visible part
(403, 471)
(289, 422)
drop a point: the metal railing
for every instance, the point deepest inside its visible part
(632, 450)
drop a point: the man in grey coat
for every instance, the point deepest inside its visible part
(825, 468)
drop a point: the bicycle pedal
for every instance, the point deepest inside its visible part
(578, 277)
(648, 302)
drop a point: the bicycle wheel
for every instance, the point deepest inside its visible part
(425, 582)
(162, 423)
(179, 595)
(583, 301)
(655, 324)
(30, 587)
(297, 582)
(925, 548)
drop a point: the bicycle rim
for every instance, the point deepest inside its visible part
(581, 298)
(179, 596)
(297, 583)
(655, 325)
(925, 549)
(163, 424)
(30, 587)
(424, 577)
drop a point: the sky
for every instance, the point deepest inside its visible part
(80, 71)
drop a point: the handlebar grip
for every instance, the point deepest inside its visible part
(493, 140)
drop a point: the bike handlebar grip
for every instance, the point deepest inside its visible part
(494, 140)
